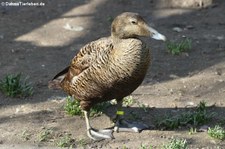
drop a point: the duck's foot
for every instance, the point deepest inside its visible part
(100, 134)
(126, 126)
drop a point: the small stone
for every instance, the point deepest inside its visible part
(17, 110)
(197, 95)
(162, 136)
(213, 141)
(1, 36)
(190, 103)
(73, 28)
(220, 80)
(173, 76)
(220, 37)
(171, 91)
(197, 86)
(181, 93)
(185, 54)
(189, 27)
(218, 72)
(177, 29)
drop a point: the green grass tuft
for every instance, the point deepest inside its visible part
(13, 86)
(176, 48)
(72, 107)
(26, 135)
(110, 19)
(65, 141)
(128, 101)
(197, 117)
(143, 146)
(217, 132)
(45, 135)
(143, 106)
(192, 131)
(81, 142)
(176, 144)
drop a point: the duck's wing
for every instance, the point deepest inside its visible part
(88, 56)
(83, 60)
(57, 79)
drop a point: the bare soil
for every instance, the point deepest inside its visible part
(41, 41)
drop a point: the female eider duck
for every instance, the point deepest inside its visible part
(109, 68)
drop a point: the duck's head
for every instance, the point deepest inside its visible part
(130, 25)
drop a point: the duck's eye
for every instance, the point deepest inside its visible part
(134, 22)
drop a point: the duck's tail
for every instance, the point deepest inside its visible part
(55, 83)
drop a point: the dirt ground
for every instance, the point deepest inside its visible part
(41, 41)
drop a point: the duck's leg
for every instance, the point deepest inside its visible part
(123, 125)
(97, 134)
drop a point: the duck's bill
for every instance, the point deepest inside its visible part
(156, 35)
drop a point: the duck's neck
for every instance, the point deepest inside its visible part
(117, 39)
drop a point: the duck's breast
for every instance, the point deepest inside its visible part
(129, 65)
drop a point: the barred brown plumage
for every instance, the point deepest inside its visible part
(109, 68)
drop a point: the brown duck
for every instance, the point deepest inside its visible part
(109, 68)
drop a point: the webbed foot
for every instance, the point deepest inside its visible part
(100, 134)
(128, 126)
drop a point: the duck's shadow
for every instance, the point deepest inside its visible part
(170, 118)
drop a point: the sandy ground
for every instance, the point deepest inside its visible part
(40, 41)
